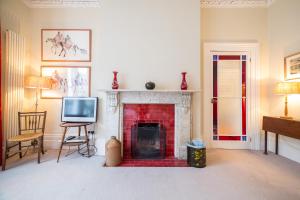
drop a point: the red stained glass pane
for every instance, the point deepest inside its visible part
(244, 98)
(229, 137)
(229, 57)
(215, 94)
(244, 79)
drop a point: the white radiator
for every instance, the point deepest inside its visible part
(13, 89)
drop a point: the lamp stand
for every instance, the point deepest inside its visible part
(36, 99)
(286, 109)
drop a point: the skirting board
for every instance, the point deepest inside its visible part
(52, 141)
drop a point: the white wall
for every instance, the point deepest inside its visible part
(142, 39)
(14, 16)
(284, 40)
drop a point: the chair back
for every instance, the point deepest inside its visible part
(31, 122)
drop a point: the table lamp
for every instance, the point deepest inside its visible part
(37, 83)
(286, 88)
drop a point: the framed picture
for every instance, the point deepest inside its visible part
(292, 67)
(66, 81)
(66, 45)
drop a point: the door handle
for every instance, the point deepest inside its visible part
(214, 100)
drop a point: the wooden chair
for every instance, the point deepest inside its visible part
(31, 127)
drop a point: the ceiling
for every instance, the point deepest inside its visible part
(61, 3)
(235, 3)
(96, 3)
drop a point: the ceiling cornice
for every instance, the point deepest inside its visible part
(96, 3)
(235, 3)
(62, 3)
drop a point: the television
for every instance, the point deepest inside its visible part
(79, 109)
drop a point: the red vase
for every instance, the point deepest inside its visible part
(115, 84)
(184, 85)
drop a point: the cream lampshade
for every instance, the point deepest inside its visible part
(286, 88)
(37, 83)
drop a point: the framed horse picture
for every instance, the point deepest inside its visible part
(292, 67)
(66, 45)
(66, 81)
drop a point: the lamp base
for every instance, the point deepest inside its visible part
(286, 117)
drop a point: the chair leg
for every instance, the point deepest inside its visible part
(39, 149)
(20, 149)
(4, 156)
(43, 150)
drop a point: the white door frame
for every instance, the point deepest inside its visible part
(253, 93)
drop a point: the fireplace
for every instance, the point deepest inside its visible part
(148, 131)
(170, 108)
(148, 141)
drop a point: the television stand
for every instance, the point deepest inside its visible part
(77, 141)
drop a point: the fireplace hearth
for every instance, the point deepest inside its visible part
(148, 141)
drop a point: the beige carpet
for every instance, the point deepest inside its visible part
(230, 174)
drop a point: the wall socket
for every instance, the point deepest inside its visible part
(91, 132)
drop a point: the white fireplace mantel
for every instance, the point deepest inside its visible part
(181, 96)
(182, 99)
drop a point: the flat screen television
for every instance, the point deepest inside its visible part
(79, 109)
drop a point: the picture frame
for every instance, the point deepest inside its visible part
(70, 81)
(66, 45)
(292, 67)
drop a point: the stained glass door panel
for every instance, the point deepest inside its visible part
(229, 97)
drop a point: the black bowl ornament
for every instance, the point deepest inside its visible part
(150, 85)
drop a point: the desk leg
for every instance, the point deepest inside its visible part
(79, 130)
(62, 142)
(87, 141)
(266, 142)
(276, 144)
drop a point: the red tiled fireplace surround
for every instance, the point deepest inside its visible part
(150, 113)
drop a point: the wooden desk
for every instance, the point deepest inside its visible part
(83, 140)
(280, 126)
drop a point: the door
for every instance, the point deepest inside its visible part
(1, 137)
(227, 111)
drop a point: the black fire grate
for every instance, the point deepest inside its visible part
(148, 141)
